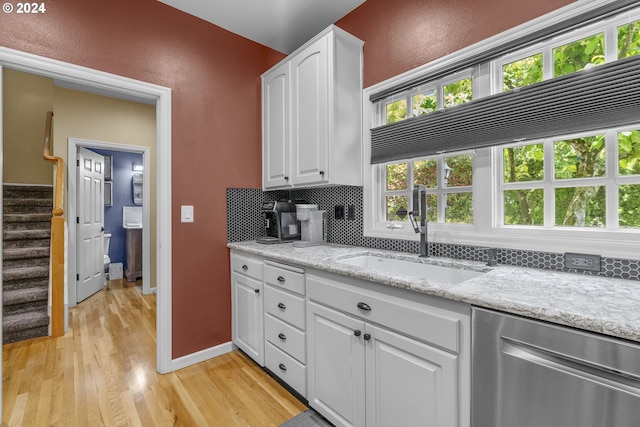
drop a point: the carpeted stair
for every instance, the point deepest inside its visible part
(25, 263)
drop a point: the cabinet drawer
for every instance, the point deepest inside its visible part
(285, 306)
(285, 277)
(246, 264)
(286, 338)
(424, 322)
(286, 368)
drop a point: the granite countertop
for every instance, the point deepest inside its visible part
(592, 303)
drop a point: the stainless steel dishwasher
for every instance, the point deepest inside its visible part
(528, 373)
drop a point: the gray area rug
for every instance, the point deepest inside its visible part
(307, 418)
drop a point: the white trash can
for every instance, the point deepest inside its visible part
(115, 271)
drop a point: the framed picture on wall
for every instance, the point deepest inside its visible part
(108, 168)
(108, 193)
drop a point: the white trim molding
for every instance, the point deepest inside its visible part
(202, 355)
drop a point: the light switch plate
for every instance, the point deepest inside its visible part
(186, 213)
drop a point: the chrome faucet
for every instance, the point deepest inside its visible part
(420, 211)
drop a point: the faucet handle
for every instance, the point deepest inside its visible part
(414, 223)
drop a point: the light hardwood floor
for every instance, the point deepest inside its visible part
(102, 373)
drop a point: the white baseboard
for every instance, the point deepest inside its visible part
(201, 356)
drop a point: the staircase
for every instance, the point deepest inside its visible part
(25, 274)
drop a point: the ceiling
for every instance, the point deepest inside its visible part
(283, 25)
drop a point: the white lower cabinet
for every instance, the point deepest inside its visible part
(247, 330)
(362, 353)
(365, 369)
(408, 382)
(336, 378)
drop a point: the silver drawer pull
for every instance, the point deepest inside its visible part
(282, 367)
(282, 336)
(281, 279)
(364, 306)
(245, 267)
(281, 306)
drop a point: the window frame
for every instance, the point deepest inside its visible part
(487, 229)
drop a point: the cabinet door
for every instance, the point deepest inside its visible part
(336, 383)
(275, 128)
(409, 383)
(310, 114)
(247, 327)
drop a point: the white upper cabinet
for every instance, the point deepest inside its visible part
(312, 114)
(275, 127)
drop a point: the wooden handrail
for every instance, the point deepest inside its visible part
(46, 153)
(57, 235)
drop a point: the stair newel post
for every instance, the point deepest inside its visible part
(57, 237)
(57, 276)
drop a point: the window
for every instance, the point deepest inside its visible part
(576, 184)
(573, 192)
(448, 200)
(629, 40)
(522, 72)
(427, 99)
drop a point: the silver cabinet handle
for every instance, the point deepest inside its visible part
(281, 306)
(282, 336)
(281, 279)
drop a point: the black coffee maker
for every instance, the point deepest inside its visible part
(280, 222)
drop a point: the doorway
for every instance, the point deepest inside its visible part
(89, 80)
(73, 145)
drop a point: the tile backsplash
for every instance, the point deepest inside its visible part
(244, 222)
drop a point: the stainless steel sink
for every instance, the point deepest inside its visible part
(403, 267)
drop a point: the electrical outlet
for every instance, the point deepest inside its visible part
(339, 211)
(351, 212)
(582, 261)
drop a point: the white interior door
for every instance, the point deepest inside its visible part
(90, 224)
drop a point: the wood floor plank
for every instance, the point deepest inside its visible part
(43, 405)
(102, 373)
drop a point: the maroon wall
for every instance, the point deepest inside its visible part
(215, 80)
(402, 35)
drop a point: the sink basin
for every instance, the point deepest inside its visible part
(403, 267)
